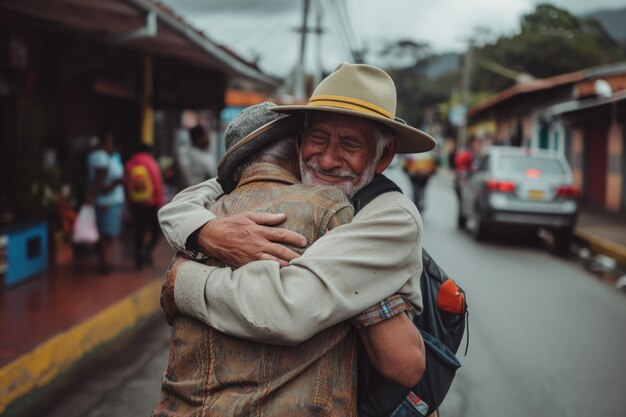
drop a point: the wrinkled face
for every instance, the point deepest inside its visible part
(340, 151)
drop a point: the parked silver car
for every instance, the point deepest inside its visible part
(519, 187)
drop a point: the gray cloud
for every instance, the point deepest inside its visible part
(244, 7)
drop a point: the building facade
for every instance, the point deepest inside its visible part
(581, 114)
(69, 69)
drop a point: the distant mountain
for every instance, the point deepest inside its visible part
(614, 22)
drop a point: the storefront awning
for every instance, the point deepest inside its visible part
(146, 25)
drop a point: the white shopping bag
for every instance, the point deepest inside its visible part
(85, 227)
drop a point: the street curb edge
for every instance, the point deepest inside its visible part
(44, 363)
(604, 246)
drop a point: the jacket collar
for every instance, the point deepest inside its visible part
(266, 172)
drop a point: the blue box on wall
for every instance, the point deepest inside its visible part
(26, 252)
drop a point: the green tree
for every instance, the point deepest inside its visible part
(551, 41)
(410, 65)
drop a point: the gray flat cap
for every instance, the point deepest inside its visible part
(253, 129)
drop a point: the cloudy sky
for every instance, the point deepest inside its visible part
(264, 29)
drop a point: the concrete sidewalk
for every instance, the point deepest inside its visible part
(603, 233)
(55, 322)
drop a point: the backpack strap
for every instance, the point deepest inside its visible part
(377, 395)
(379, 185)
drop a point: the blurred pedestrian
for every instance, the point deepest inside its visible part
(144, 193)
(106, 191)
(463, 164)
(199, 164)
(420, 167)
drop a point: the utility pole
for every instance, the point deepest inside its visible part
(467, 68)
(318, 31)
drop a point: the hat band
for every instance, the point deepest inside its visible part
(350, 104)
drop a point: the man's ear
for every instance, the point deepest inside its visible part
(387, 156)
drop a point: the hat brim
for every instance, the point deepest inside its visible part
(251, 144)
(410, 139)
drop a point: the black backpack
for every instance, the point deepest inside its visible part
(442, 325)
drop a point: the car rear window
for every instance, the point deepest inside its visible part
(522, 165)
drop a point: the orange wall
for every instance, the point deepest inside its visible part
(614, 175)
(243, 98)
(505, 129)
(577, 157)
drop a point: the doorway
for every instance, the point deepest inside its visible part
(596, 143)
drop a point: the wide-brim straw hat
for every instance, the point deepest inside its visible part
(364, 91)
(249, 132)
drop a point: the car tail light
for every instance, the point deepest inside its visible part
(502, 186)
(567, 191)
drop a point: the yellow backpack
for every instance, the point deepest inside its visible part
(140, 186)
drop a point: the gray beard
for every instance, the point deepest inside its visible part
(346, 187)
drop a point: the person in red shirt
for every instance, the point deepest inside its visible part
(144, 194)
(463, 161)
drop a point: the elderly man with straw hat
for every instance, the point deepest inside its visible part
(212, 373)
(350, 134)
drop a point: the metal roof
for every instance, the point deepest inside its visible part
(548, 83)
(164, 34)
(578, 105)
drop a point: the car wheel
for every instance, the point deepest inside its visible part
(562, 240)
(480, 232)
(461, 219)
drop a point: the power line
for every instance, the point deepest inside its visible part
(343, 10)
(341, 24)
(358, 19)
(264, 29)
(345, 25)
(337, 28)
(219, 25)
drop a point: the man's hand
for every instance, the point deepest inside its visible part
(168, 303)
(247, 237)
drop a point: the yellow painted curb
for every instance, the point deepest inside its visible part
(41, 365)
(598, 244)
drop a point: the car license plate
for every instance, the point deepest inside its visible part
(535, 195)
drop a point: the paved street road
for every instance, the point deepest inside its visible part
(124, 382)
(547, 338)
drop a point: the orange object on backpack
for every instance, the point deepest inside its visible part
(450, 298)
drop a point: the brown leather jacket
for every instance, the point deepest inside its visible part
(212, 374)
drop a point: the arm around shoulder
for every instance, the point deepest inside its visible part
(346, 271)
(187, 212)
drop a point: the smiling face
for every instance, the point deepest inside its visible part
(341, 151)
